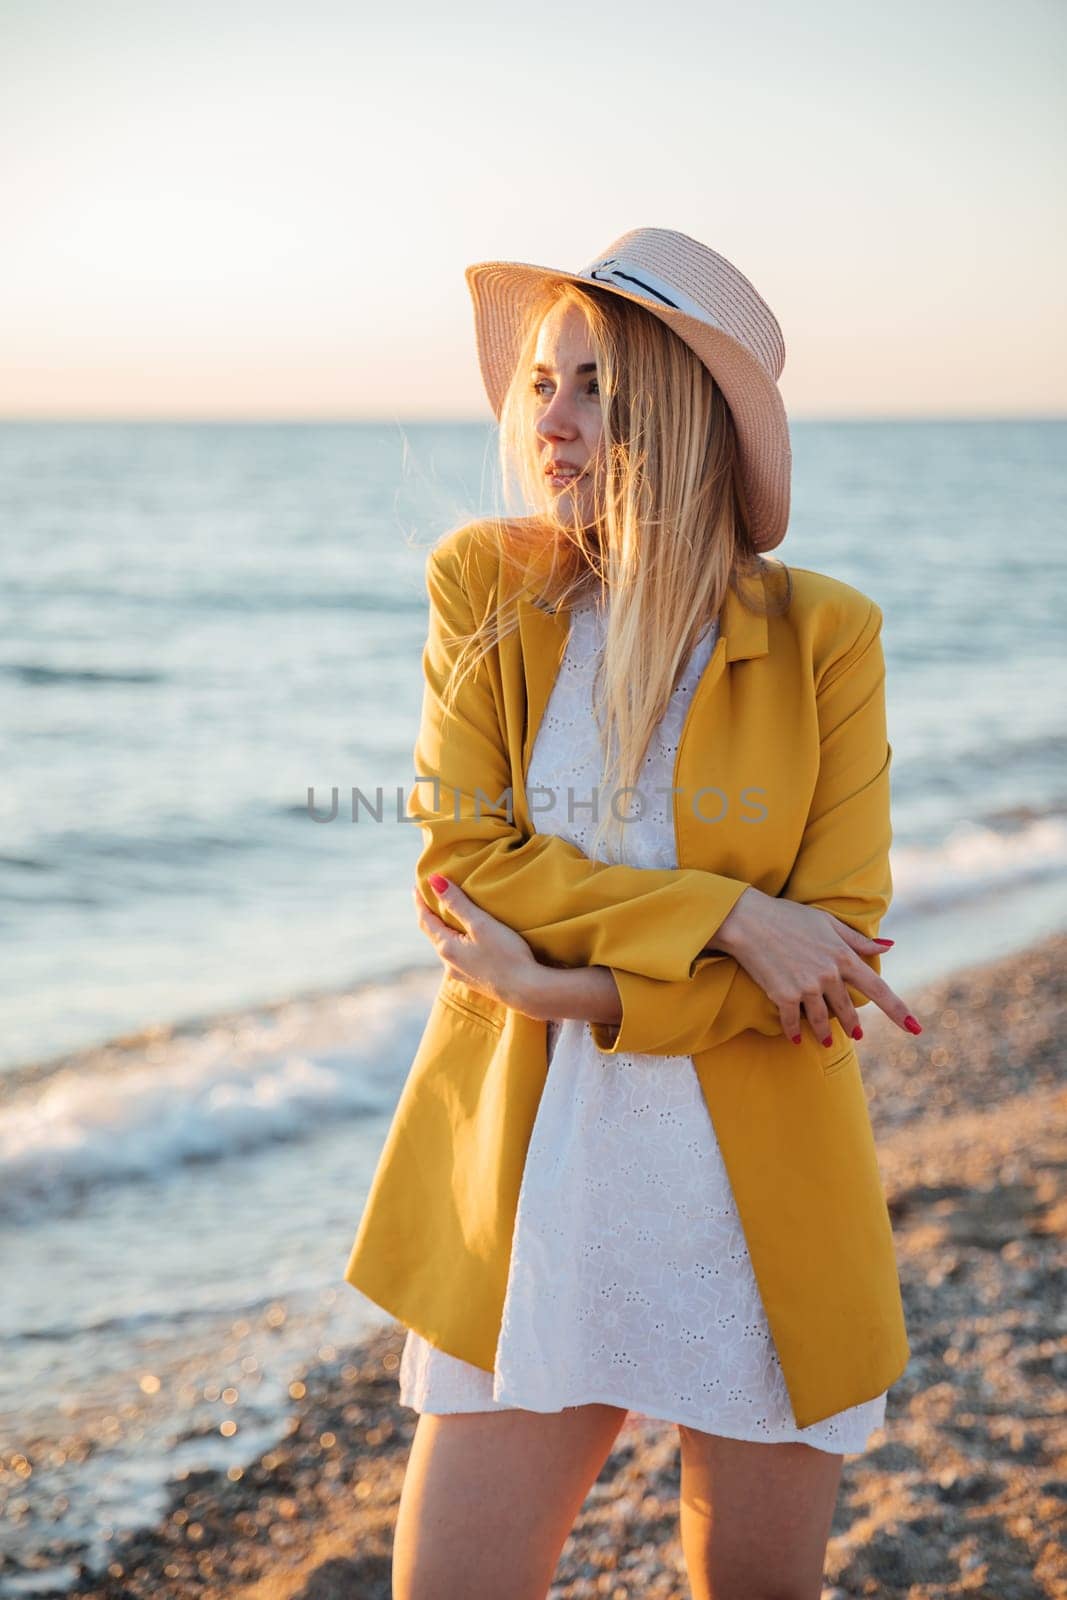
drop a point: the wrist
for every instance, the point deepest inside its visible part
(538, 988)
(588, 994)
(734, 932)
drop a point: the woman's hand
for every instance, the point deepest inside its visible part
(803, 956)
(488, 955)
(497, 961)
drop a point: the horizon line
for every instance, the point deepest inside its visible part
(206, 419)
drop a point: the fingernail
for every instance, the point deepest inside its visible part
(912, 1026)
(796, 1038)
(857, 1032)
(829, 1039)
(437, 883)
(886, 942)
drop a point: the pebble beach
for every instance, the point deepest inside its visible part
(963, 1492)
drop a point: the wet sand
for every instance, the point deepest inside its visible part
(964, 1491)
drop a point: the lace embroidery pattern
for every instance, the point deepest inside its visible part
(630, 1281)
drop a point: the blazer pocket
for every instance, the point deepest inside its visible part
(471, 1003)
(846, 1054)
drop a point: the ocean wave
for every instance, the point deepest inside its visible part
(134, 1115)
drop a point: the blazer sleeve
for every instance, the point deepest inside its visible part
(842, 865)
(572, 911)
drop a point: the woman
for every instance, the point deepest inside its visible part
(632, 1166)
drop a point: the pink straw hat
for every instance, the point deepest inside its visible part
(708, 303)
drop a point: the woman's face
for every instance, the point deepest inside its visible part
(568, 427)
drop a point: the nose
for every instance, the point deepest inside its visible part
(557, 419)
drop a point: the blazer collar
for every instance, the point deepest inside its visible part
(544, 632)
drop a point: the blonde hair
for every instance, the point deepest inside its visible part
(668, 535)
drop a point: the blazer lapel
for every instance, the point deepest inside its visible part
(544, 635)
(745, 631)
(708, 828)
(742, 635)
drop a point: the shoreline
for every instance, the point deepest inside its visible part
(961, 1492)
(325, 1010)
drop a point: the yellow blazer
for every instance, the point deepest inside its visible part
(782, 782)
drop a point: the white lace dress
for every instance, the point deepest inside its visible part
(630, 1281)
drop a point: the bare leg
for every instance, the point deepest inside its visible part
(489, 1498)
(755, 1518)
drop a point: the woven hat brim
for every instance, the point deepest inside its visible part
(501, 296)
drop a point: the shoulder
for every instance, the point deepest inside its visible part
(460, 569)
(473, 557)
(830, 621)
(471, 540)
(830, 602)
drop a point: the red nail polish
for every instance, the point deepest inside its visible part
(796, 1038)
(886, 942)
(829, 1039)
(857, 1032)
(912, 1026)
(438, 883)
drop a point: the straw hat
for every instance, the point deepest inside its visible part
(708, 303)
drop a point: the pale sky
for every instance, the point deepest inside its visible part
(263, 210)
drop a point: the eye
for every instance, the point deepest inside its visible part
(539, 383)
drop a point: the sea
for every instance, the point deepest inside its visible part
(213, 983)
